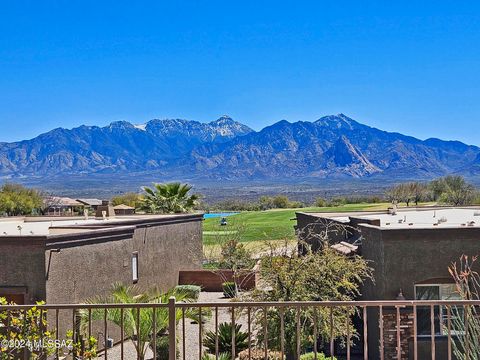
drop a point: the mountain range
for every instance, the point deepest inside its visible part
(333, 146)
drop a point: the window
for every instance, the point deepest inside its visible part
(135, 267)
(435, 292)
(16, 294)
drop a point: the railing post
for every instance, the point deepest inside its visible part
(172, 325)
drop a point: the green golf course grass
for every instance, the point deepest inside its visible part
(275, 224)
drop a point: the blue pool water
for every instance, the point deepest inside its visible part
(218, 215)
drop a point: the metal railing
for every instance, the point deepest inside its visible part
(185, 325)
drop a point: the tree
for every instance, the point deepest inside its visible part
(407, 192)
(143, 338)
(320, 202)
(457, 191)
(168, 198)
(265, 202)
(281, 202)
(17, 200)
(437, 187)
(290, 276)
(397, 194)
(130, 199)
(416, 191)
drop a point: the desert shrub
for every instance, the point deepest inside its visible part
(319, 202)
(234, 256)
(192, 291)
(229, 290)
(129, 199)
(320, 356)
(162, 346)
(280, 202)
(259, 354)
(296, 204)
(18, 200)
(221, 356)
(225, 339)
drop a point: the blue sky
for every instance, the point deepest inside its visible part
(406, 67)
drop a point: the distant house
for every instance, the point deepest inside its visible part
(91, 203)
(123, 209)
(62, 206)
(410, 251)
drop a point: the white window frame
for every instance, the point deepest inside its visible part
(442, 311)
(135, 267)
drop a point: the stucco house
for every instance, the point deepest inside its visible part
(410, 251)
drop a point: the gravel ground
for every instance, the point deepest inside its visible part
(192, 330)
(192, 349)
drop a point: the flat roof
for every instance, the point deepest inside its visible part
(417, 218)
(45, 225)
(426, 218)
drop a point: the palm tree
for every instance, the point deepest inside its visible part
(169, 198)
(138, 324)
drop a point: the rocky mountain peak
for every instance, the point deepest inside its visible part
(339, 121)
(120, 125)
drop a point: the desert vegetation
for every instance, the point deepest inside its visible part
(17, 200)
(449, 190)
(170, 198)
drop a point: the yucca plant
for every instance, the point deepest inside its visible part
(141, 319)
(225, 339)
(169, 198)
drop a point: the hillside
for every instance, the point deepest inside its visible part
(334, 147)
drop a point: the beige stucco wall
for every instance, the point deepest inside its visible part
(78, 273)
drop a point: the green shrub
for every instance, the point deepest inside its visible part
(259, 354)
(319, 202)
(311, 356)
(163, 348)
(225, 339)
(192, 291)
(221, 356)
(229, 289)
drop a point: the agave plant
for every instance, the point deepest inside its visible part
(225, 339)
(221, 356)
(141, 319)
(169, 198)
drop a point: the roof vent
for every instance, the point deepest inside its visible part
(471, 223)
(476, 213)
(443, 219)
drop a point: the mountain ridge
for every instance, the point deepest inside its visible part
(333, 146)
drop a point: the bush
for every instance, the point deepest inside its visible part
(259, 354)
(229, 289)
(319, 202)
(163, 348)
(192, 291)
(225, 339)
(320, 356)
(221, 356)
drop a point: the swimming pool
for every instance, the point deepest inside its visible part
(219, 215)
